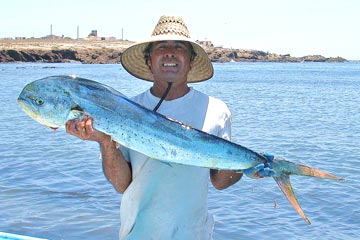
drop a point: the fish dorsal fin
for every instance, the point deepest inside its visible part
(95, 92)
(91, 85)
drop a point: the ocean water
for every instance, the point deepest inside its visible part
(52, 185)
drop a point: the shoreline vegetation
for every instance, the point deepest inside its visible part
(91, 51)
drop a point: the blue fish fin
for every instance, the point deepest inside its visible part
(77, 112)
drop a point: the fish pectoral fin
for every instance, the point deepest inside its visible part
(76, 107)
(283, 182)
(77, 112)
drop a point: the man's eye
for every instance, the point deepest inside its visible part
(161, 47)
(180, 47)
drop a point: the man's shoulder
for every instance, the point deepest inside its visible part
(204, 95)
(214, 104)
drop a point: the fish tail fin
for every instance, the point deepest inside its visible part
(284, 169)
(283, 182)
(299, 169)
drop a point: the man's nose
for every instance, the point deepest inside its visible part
(170, 52)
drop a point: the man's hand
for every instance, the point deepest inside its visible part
(83, 129)
(262, 170)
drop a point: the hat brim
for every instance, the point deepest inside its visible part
(133, 60)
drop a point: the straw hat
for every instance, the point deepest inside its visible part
(169, 28)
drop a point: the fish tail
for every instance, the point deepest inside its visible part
(284, 169)
(283, 182)
(283, 166)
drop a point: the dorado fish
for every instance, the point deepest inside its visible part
(53, 101)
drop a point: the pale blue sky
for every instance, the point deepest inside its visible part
(297, 27)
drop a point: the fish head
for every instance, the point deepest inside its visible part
(47, 102)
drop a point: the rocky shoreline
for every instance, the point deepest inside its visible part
(109, 51)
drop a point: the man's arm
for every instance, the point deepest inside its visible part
(116, 169)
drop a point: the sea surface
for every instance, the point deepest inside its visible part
(52, 185)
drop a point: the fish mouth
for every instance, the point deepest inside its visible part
(22, 102)
(25, 107)
(33, 114)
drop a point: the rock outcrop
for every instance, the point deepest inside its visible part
(241, 55)
(90, 51)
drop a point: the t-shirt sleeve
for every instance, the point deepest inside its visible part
(225, 124)
(125, 152)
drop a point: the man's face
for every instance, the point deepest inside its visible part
(170, 61)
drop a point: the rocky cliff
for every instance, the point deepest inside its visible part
(91, 51)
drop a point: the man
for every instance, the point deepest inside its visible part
(160, 200)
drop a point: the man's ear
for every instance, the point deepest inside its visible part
(191, 64)
(148, 62)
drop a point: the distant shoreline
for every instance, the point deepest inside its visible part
(109, 51)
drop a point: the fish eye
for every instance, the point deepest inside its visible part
(39, 101)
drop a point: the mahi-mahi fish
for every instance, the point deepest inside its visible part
(52, 101)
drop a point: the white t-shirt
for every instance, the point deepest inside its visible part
(169, 201)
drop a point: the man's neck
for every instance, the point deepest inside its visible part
(176, 91)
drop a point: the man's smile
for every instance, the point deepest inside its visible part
(169, 64)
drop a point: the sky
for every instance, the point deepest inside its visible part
(297, 27)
